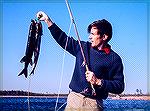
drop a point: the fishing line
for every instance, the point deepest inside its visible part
(76, 31)
(61, 106)
(65, 103)
(62, 69)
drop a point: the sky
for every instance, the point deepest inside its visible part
(130, 21)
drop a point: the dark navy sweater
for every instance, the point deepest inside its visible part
(107, 67)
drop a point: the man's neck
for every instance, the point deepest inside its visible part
(101, 47)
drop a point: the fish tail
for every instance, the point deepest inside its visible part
(24, 71)
(23, 59)
(32, 72)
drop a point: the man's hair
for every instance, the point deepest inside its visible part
(103, 26)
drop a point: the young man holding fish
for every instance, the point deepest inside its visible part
(89, 86)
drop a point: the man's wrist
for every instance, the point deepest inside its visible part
(49, 22)
(98, 82)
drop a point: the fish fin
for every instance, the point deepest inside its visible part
(23, 59)
(31, 62)
(24, 71)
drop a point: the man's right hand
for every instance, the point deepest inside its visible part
(42, 16)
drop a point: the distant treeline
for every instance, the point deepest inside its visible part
(25, 93)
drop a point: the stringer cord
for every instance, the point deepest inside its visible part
(62, 70)
(29, 93)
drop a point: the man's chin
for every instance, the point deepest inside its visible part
(93, 46)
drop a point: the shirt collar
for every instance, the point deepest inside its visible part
(106, 49)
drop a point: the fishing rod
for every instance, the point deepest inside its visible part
(79, 41)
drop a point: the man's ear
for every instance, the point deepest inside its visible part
(105, 37)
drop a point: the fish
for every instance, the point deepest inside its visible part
(32, 48)
(37, 45)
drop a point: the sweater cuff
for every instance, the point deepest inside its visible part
(101, 85)
(52, 26)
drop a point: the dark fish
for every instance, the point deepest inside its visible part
(33, 46)
(37, 45)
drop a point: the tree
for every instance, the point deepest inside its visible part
(137, 90)
(140, 91)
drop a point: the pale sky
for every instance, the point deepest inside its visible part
(130, 41)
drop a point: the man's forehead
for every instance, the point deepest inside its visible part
(94, 27)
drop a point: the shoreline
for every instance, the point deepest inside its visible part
(131, 98)
(112, 98)
(32, 96)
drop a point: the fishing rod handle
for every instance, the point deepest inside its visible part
(86, 66)
(87, 69)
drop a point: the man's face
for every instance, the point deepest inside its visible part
(95, 38)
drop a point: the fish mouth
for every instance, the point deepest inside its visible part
(90, 41)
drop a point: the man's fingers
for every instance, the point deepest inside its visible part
(89, 75)
(39, 14)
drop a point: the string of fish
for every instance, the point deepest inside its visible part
(32, 48)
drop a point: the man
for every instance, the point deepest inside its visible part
(105, 66)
